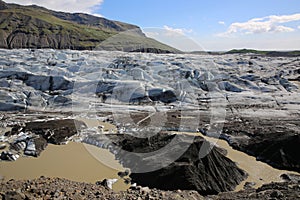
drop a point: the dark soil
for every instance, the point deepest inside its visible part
(54, 131)
(210, 174)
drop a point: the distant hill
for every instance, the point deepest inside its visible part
(37, 27)
(265, 53)
(250, 51)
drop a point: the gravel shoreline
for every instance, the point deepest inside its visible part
(58, 188)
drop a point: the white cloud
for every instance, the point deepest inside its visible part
(174, 37)
(276, 42)
(176, 31)
(269, 24)
(86, 6)
(151, 33)
(221, 22)
(298, 27)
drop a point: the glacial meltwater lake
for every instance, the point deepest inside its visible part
(72, 161)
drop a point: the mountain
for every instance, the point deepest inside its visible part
(37, 27)
(265, 53)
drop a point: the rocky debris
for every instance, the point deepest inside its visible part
(108, 183)
(2, 146)
(53, 131)
(285, 190)
(14, 195)
(165, 96)
(249, 185)
(283, 150)
(19, 145)
(211, 174)
(263, 102)
(29, 144)
(123, 174)
(35, 147)
(32, 138)
(10, 156)
(57, 188)
(273, 140)
(290, 177)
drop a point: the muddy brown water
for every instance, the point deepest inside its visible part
(259, 173)
(74, 161)
(86, 163)
(71, 161)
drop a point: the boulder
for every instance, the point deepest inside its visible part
(9, 156)
(165, 96)
(108, 183)
(35, 147)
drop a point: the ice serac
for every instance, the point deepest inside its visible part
(210, 174)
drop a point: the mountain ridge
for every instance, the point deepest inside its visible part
(38, 27)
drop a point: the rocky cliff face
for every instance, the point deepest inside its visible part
(38, 27)
(3, 5)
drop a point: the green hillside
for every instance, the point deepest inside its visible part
(37, 27)
(265, 53)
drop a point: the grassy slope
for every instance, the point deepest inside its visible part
(128, 41)
(41, 23)
(36, 22)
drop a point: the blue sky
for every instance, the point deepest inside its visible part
(213, 24)
(206, 21)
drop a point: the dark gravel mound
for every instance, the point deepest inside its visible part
(211, 174)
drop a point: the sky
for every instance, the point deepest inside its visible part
(211, 25)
